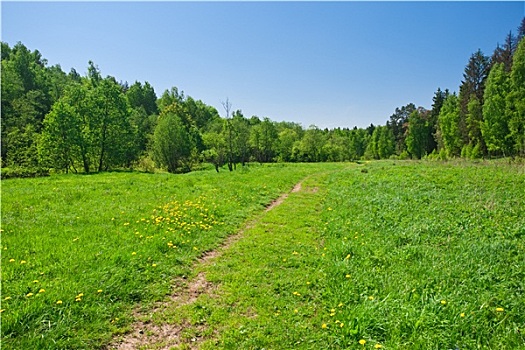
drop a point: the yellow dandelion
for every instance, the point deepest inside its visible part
(340, 304)
(371, 298)
(295, 311)
(347, 257)
(347, 276)
(78, 299)
(23, 262)
(462, 314)
(29, 294)
(295, 253)
(2, 310)
(11, 260)
(307, 282)
(35, 281)
(99, 291)
(443, 302)
(362, 342)
(324, 326)
(59, 302)
(7, 298)
(154, 265)
(341, 325)
(499, 309)
(134, 253)
(42, 290)
(378, 346)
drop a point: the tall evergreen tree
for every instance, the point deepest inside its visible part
(495, 128)
(515, 105)
(472, 86)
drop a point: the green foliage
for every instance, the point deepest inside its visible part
(516, 100)
(495, 128)
(419, 132)
(448, 124)
(173, 144)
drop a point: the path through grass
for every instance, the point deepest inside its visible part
(404, 256)
(80, 252)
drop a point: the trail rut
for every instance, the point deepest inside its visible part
(147, 335)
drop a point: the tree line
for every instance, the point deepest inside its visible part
(91, 123)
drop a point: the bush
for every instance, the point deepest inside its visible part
(13, 172)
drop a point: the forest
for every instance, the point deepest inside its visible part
(53, 121)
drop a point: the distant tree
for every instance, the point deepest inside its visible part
(287, 138)
(448, 125)
(495, 128)
(435, 141)
(60, 145)
(170, 97)
(476, 144)
(399, 124)
(309, 149)
(228, 128)
(515, 104)
(215, 148)
(472, 86)
(173, 146)
(241, 137)
(418, 133)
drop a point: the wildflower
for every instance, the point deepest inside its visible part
(462, 314)
(378, 346)
(35, 281)
(324, 326)
(341, 325)
(347, 276)
(499, 309)
(295, 311)
(29, 294)
(23, 262)
(42, 290)
(362, 342)
(295, 253)
(134, 253)
(371, 298)
(11, 260)
(78, 299)
(154, 265)
(7, 298)
(347, 257)
(443, 302)
(59, 302)
(99, 291)
(340, 304)
(2, 310)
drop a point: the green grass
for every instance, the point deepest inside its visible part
(80, 251)
(402, 255)
(405, 256)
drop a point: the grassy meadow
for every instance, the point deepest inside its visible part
(392, 255)
(79, 251)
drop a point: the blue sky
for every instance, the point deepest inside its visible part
(332, 64)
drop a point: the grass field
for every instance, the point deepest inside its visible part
(404, 255)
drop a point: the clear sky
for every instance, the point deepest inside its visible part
(332, 64)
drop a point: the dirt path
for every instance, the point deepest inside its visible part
(147, 335)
